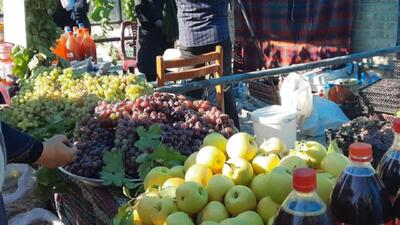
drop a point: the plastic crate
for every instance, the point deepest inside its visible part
(382, 96)
(266, 91)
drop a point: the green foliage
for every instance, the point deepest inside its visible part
(129, 9)
(101, 13)
(42, 32)
(49, 181)
(113, 172)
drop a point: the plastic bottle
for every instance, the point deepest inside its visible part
(303, 206)
(72, 46)
(396, 209)
(89, 46)
(79, 38)
(389, 166)
(60, 50)
(75, 30)
(359, 197)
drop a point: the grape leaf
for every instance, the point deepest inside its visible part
(124, 216)
(144, 168)
(112, 178)
(166, 154)
(149, 138)
(113, 172)
(142, 157)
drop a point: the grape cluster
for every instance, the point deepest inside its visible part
(184, 124)
(55, 96)
(377, 133)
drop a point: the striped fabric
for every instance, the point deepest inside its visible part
(202, 22)
(316, 22)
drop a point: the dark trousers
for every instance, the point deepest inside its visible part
(229, 97)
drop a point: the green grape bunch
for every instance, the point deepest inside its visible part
(54, 100)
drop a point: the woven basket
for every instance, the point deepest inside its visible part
(382, 96)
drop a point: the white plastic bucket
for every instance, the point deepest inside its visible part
(274, 121)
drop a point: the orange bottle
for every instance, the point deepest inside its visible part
(89, 46)
(60, 48)
(79, 38)
(72, 47)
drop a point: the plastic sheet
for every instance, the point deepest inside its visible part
(25, 182)
(36, 214)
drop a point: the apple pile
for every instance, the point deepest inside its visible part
(233, 182)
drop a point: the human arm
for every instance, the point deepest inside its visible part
(22, 148)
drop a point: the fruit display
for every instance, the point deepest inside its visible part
(183, 124)
(53, 101)
(377, 133)
(239, 183)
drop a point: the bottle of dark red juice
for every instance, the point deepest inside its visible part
(303, 206)
(389, 166)
(359, 197)
(396, 209)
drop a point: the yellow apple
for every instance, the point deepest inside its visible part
(173, 182)
(191, 197)
(292, 162)
(267, 208)
(199, 173)
(242, 145)
(251, 217)
(190, 161)
(136, 218)
(239, 170)
(233, 221)
(279, 184)
(178, 218)
(215, 139)
(212, 157)
(334, 163)
(178, 171)
(325, 183)
(156, 177)
(240, 199)
(265, 164)
(258, 185)
(274, 145)
(313, 152)
(155, 210)
(214, 211)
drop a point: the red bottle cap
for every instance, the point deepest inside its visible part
(396, 125)
(304, 180)
(360, 152)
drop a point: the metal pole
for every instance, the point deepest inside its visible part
(180, 88)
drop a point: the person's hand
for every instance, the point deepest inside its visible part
(57, 151)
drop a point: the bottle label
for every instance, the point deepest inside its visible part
(390, 222)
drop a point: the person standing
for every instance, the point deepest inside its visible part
(203, 24)
(151, 39)
(72, 15)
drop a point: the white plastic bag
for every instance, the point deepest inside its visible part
(325, 115)
(296, 96)
(25, 182)
(36, 214)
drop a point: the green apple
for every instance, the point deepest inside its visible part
(155, 210)
(209, 223)
(166, 208)
(279, 184)
(156, 177)
(212, 157)
(216, 139)
(325, 183)
(313, 152)
(271, 221)
(274, 145)
(239, 170)
(251, 217)
(190, 161)
(178, 218)
(334, 163)
(214, 211)
(178, 171)
(242, 145)
(199, 173)
(218, 186)
(264, 164)
(233, 221)
(292, 162)
(240, 199)
(258, 185)
(267, 208)
(191, 197)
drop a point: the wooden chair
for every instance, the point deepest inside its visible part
(128, 45)
(212, 63)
